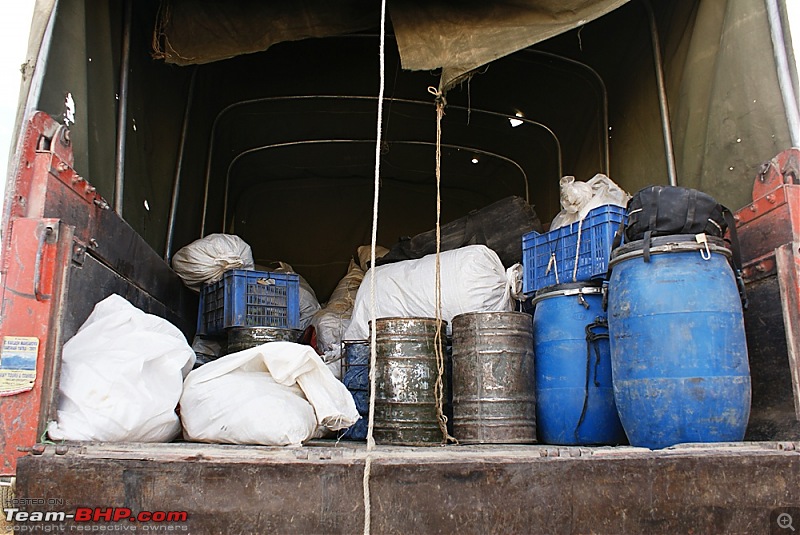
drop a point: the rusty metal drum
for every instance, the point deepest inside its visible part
(405, 378)
(241, 338)
(494, 396)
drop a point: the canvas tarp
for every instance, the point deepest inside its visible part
(456, 37)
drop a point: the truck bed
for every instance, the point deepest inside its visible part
(697, 488)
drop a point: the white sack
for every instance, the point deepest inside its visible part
(308, 298)
(579, 198)
(121, 377)
(275, 394)
(207, 259)
(473, 279)
(332, 321)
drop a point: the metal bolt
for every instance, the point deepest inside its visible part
(77, 179)
(737, 218)
(753, 208)
(93, 243)
(61, 449)
(760, 267)
(63, 166)
(38, 449)
(771, 198)
(90, 189)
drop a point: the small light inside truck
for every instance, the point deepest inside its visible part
(515, 122)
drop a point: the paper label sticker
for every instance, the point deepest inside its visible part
(18, 364)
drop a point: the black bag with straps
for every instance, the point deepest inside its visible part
(666, 210)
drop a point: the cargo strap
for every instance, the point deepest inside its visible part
(592, 342)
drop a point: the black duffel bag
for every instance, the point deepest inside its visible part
(667, 210)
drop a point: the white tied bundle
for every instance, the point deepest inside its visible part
(473, 279)
(207, 259)
(276, 394)
(121, 377)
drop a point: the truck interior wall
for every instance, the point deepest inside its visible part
(312, 208)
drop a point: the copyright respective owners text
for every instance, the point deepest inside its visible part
(55, 515)
(785, 520)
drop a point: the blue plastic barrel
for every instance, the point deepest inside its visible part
(678, 349)
(574, 393)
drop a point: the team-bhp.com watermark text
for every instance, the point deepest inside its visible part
(93, 519)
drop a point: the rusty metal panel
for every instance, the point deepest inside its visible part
(769, 231)
(788, 263)
(736, 489)
(63, 251)
(40, 250)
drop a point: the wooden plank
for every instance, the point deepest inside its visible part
(788, 264)
(455, 489)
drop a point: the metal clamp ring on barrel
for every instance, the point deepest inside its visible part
(684, 247)
(586, 290)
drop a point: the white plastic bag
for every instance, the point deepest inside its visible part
(278, 394)
(121, 377)
(579, 198)
(207, 259)
(473, 279)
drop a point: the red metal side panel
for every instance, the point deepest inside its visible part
(38, 256)
(766, 224)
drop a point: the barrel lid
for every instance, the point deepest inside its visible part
(675, 243)
(420, 319)
(570, 288)
(491, 312)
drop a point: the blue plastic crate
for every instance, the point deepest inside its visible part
(246, 298)
(550, 253)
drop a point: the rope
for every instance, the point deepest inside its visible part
(437, 340)
(372, 312)
(577, 252)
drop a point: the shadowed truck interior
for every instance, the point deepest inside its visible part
(278, 147)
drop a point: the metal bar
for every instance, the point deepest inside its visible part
(31, 104)
(321, 141)
(606, 164)
(176, 184)
(248, 102)
(663, 105)
(122, 110)
(784, 73)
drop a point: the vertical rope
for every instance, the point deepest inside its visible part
(437, 340)
(373, 244)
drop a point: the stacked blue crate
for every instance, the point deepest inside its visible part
(573, 253)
